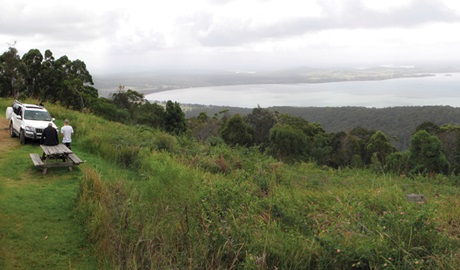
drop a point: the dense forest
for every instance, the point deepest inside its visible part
(399, 123)
(404, 140)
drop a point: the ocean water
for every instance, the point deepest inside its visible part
(440, 89)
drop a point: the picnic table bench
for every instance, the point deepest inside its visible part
(55, 156)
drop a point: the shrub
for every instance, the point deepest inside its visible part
(165, 142)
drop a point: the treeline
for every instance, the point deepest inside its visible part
(399, 123)
(42, 77)
(433, 149)
(46, 79)
(289, 137)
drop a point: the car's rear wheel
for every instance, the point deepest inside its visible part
(22, 137)
(12, 134)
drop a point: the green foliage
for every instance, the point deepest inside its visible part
(299, 122)
(449, 135)
(203, 127)
(174, 118)
(426, 155)
(380, 145)
(398, 163)
(288, 143)
(108, 110)
(41, 77)
(396, 122)
(127, 99)
(323, 149)
(12, 74)
(261, 121)
(33, 61)
(237, 132)
(77, 96)
(216, 207)
(149, 114)
(67, 82)
(164, 141)
(428, 126)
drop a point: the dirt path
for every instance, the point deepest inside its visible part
(5, 142)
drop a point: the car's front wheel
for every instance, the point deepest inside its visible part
(22, 137)
(12, 134)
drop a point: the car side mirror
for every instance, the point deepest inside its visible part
(19, 117)
(52, 119)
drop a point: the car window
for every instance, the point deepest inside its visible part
(37, 115)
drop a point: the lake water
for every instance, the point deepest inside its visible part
(441, 89)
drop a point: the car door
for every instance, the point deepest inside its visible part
(18, 115)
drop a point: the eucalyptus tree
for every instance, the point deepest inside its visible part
(127, 99)
(380, 145)
(426, 155)
(174, 118)
(309, 129)
(34, 73)
(150, 114)
(77, 95)
(49, 77)
(204, 127)
(288, 143)
(261, 120)
(450, 138)
(12, 74)
(429, 127)
(73, 84)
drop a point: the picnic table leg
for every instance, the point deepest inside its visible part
(46, 160)
(65, 158)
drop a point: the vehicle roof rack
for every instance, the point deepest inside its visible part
(30, 105)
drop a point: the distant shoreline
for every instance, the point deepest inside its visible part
(424, 89)
(281, 82)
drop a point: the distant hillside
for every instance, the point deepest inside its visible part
(399, 122)
(162, 80)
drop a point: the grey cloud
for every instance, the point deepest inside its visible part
(195, 23)
(57, 23)
(138, 43)
(354, 15)
(417, 13)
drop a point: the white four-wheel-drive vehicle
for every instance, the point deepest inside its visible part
(28, 121)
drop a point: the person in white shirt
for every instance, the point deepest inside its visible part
(67, 132)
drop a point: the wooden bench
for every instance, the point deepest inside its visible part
(55, 156)
(38, 162)
(76, 160)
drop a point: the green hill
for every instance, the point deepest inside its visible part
(149, 200)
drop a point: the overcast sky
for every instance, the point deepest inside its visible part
(126, 36)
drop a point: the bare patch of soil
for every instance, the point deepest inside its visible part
(6, 142)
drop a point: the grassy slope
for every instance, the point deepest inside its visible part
(179, 211)
(38, 226)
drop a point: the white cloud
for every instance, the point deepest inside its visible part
(127, 35)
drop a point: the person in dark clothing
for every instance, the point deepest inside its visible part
(49, 136)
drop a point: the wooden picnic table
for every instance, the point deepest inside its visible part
(55, 156)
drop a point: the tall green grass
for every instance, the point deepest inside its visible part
(172, 203)
(303, 217)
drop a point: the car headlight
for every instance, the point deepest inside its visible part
(29, 128)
